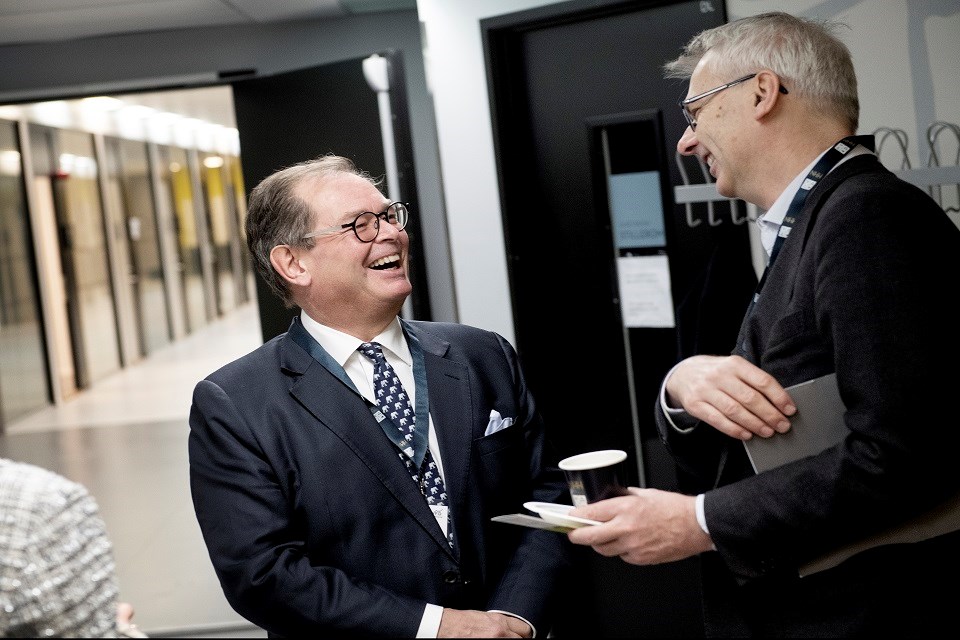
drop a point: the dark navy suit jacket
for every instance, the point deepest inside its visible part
(312, 521)
(861, 287)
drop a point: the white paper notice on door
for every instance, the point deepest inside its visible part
(645, 298)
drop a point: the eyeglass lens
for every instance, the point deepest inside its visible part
(367, 225)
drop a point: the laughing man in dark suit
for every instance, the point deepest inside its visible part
(317, 515)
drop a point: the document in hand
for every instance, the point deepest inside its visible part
(533, 522)
(553, 517)
(819, 424)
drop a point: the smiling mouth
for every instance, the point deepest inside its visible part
(710, 162)
(386, 262)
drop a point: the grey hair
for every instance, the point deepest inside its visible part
(277, 215)
(807, 55)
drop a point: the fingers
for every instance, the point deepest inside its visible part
(604, 510)
(124, 612)
(517, 626)
(761, 390)
(731, 394)
(469, 623)
(596, 536)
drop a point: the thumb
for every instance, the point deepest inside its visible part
(601, 510)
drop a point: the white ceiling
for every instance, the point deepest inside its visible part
(23, 21)
(36, 21)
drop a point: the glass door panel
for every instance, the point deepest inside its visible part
(239, 198)
(146, 269)
(24, 380)
(222, 223)
(128, 311)
(175, 174)
(90, 302)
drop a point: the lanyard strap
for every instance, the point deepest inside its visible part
(422, 409)
(823, 166)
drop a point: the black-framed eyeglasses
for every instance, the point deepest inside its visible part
(366, 226)
(691, 120)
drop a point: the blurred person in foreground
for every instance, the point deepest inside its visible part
(57, 573)
(344, 474)
(861, 266)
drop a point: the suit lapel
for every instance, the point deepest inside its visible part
(339, 409)
(451, 408)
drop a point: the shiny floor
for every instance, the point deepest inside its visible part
(125, 439)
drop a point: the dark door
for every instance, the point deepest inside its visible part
(290, 117)
(584, 121)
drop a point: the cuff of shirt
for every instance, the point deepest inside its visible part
(702, 517)
(678, 418)
(430, 622)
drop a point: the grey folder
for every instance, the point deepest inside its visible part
(819, 424)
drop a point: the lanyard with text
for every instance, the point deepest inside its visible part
(422, 409)
(823, 166)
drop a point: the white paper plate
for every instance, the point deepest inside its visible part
(557, 514)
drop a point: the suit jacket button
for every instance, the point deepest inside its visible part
(450, 576)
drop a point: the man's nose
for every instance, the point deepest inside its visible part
(687, 144)
(387, 230)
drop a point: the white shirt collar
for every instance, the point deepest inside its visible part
(769, 222)
(342, 345)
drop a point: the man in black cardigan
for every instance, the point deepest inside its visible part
(861, 269)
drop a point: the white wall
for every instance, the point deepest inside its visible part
(457, 78)
(905, 53)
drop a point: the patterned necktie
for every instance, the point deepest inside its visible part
(395, 404)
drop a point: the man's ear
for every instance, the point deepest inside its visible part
(767, 94)
(288, 265)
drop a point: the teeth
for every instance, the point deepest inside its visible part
(386, 260)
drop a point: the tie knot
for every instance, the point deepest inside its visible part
(371, 350)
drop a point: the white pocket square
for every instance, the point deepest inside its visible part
(497, 423)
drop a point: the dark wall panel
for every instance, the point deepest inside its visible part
(296, 116)
(555, 73)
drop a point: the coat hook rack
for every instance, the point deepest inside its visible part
(933, 133)
(900, 136)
